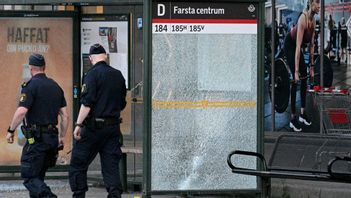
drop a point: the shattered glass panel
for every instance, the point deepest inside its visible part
(204, 105)
(216, 72)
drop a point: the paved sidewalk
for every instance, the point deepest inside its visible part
(281, 188)
(15, 189)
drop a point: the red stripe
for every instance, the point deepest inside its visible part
(339, 116)
(240, 21)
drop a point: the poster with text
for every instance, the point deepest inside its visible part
(112, 33)
(19, 37)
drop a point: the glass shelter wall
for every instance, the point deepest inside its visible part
(204, 96)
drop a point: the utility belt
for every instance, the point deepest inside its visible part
(99, 123)
(32, 132)
(50, 128)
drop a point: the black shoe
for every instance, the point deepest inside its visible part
(304, 119)
(295, 125)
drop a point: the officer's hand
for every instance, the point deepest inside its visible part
(76, 133)
(9, 137)
(61, 141)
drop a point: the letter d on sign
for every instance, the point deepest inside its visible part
(161, 9)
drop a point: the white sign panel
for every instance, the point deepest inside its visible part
(112, 33)
(204, 27)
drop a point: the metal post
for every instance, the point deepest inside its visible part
(147, 9)
(343, 11)
(266, 187)
(262, 183)
(321, 47)
(273, 65)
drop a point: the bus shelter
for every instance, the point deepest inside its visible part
(203, 94)
(195, 80)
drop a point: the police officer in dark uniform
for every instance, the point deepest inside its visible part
(42, 101)
(97, 127)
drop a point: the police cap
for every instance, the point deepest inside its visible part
(36, 60)
(97, 49)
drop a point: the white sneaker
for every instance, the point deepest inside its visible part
(304, 119)
(295, 125)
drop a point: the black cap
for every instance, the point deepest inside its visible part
(36, 60)
(97, 49)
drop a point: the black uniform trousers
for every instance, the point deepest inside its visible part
(35, 160)
(104, 141)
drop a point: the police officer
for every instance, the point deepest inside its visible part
(97, 127)
(41, 103)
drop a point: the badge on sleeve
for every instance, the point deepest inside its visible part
(23, 97)
(84, 88)
(24, 84)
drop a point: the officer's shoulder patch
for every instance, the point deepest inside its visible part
(84, 88)
(23, 97)
(24, 84)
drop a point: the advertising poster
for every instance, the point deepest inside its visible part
(112, 33)
(311, 105)
(19, 37)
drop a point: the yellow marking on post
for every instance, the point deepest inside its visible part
(134, 100)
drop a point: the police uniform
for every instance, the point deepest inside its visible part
(43, 98)
(104, 91)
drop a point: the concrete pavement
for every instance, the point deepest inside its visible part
(281, 188)
(15, 189)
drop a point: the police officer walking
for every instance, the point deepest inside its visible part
(97, 127)
(42, 101)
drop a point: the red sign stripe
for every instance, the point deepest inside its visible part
(240, 21)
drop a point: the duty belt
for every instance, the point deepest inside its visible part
(101, 122)
(50, 128)
(108, 121)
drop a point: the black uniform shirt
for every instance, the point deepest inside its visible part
(104, 91)
(43, 98)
